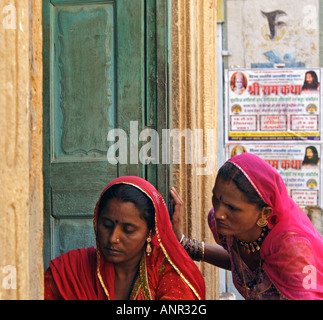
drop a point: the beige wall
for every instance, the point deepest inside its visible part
(21, 150)
(21, 194)
(194, 102)
(248, 31)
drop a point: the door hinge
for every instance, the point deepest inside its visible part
(226, 53)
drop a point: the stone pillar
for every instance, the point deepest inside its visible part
(194, 106)
(21, 194)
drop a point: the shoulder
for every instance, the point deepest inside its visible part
(166, 282)
(77, 257)
(157, 259)
(286, 245)
(290, 258)
(76, 253)
(287, 256)
(290, 242)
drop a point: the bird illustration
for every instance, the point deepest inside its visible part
(273, 23)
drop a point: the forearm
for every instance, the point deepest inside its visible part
(213, 254)
(217, 256)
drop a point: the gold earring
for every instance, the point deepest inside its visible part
(262, 222)
(148, 248)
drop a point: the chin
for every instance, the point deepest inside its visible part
(112, 259)
(224, 231)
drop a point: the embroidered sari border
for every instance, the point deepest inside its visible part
(249, 179)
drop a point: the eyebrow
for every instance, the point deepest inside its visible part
(124, 223)
(234, 205)
(213, 194)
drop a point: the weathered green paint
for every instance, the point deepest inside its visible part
(82, 65)
(105, 64)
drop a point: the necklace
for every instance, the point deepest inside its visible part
(254, 245)
(247, 289)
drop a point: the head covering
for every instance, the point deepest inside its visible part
(84, 273)
(164, 236)
(292, 252)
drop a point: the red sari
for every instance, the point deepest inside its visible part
(167, 274)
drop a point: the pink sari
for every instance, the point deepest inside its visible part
(292, 252)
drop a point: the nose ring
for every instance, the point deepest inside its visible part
(117, 240)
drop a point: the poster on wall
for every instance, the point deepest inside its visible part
(277, 105)
(299, 165)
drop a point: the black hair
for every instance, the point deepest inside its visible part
(314, 84)
(229, 172)
(315, 158)
(128, 193)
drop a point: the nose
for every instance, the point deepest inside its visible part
(115, 235)
(219, 213)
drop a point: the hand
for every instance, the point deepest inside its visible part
(177, 220)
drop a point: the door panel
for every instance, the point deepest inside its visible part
(68, 234)
(83, 86)
(73, 203)
(95, 79)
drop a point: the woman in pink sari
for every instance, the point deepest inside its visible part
(137, 256)
(264, 238)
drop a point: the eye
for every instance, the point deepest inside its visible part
(231, 207)
(129, 229)
(107, 224)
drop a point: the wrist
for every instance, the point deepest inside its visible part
(194, 248)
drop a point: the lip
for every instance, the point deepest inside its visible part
(113, 252)
(220, 224)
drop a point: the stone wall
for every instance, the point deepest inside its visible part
(21, 197)
(194, 106)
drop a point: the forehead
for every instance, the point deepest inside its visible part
(122, 212)
(228, 190)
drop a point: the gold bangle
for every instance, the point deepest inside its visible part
(203, 248)
(194, 248)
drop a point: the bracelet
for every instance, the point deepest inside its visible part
(180, 241)
(194, 248)
(203, 248)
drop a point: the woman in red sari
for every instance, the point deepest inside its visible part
(137, 256)
(264, 237)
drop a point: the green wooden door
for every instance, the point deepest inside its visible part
(105, 65)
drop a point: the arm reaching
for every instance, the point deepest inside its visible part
(177, 220)
(213, 254)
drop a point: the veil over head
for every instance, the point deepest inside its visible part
(164, 236)
(292, 252)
